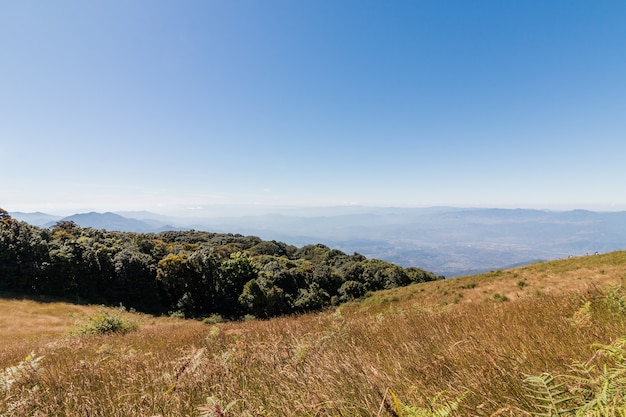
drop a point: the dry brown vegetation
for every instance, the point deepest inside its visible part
(475, 337)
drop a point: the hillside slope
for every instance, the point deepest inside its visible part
(422, 347)
(562, 277)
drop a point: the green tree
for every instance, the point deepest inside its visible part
(4, 215)
(312, 298)
(419, 275)
(174, 275)
(236, 272)
(194, 284)
(22, 252)
(253, 299)
(204, 284)
(378, 275)
(134, 281)
(263, 299)
(351, 290)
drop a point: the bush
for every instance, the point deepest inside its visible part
(107, 323)
(500, 298)
(351, 290)
(213, 319)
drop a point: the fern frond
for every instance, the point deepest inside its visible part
(549, 396)
(438, 406)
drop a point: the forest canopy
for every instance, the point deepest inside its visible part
(190, 273)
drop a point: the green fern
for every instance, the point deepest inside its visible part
(550, 397)
(615, 299)
(603, 390)
(437, 407)
(590, 391)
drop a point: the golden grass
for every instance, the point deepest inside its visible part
(25, 325)
(417, 341)
(576, 275)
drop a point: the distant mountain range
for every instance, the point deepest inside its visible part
(108, 221)
(444, 240)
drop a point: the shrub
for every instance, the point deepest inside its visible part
(213, 319)
(615, 299)
(500, 298)
(351, 290)
(107, 323)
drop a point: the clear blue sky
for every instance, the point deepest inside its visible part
(164, 105)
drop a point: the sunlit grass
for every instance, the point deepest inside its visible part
(415, 342)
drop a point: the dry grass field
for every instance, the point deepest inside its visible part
(465, 343)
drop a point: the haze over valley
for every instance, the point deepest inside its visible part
(447, 241)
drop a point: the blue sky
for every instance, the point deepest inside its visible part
(170, 106)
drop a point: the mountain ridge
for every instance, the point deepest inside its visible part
(446, 240)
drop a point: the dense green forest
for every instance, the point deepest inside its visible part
(191, 273)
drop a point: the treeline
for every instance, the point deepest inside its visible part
(193, 273)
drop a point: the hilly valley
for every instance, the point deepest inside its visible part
(312, 208)
(447, 241)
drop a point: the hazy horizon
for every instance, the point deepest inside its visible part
(253, 210)
(447, 240)
(170, 106)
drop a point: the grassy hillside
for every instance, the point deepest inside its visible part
(467, 343)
